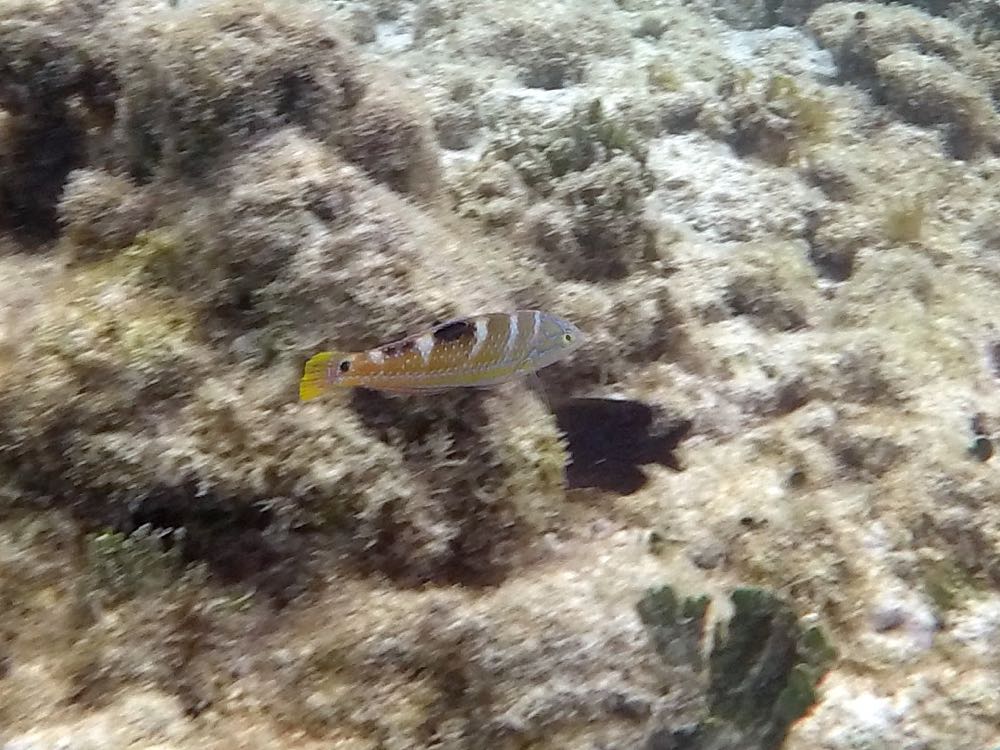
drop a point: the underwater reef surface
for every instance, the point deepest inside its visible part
(757, 509)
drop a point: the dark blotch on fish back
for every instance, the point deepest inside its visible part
(398, 348)
(454, 330)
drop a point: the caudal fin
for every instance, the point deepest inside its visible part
(314, 382)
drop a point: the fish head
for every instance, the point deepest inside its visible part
(556, 339)
(339, 369)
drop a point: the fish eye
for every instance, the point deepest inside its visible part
(568, 337)
(344, 366)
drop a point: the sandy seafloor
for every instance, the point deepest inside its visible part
(780, 223)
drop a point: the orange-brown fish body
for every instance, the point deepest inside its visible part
(479, 351)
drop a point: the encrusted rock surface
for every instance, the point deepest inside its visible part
(780, 240)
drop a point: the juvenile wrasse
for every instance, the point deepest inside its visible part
(473, 352)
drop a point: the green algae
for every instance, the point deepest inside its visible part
(145, 324)
(676, 625)
(773, 118)
(662, 77)
(142, 339)
(540, 454)
(811, 114)
(763, 668)
(589, 135)
(156, 255)
(948, 583)
(122, 566)
(904, 220)
(765, 665)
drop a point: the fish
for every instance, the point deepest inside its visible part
(479, 351)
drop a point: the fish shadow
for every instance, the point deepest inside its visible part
(609, 440)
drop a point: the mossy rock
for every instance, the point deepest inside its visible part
(775, 118)
(588, 136)
(675, 625)
(232, 69)
(121, 566)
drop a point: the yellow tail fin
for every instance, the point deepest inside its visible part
(314, 383)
